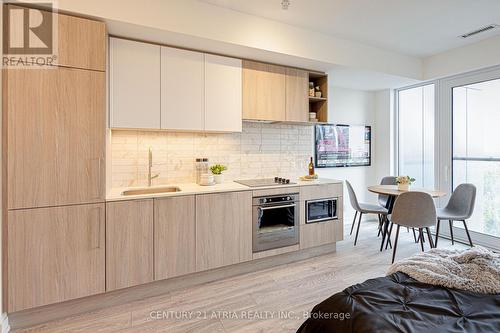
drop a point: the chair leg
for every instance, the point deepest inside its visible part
(429, 237)
(389, 237)
(353, 222)
(384, 232)
(379, 225)
(467, 231)
(437, 233)
(421, 237)
(414, 236)
(451, 232)
(395, 244)
(357, 229)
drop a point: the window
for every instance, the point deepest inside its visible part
(476, 151)
(416, 134)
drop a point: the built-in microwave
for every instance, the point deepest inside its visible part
(321, 210)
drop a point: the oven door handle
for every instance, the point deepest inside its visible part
(277, 206)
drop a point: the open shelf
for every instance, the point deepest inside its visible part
(319, 105)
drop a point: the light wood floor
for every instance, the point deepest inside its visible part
(293, 288)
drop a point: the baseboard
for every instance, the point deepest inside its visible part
(5, 323)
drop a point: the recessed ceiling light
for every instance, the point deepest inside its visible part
(285, 4)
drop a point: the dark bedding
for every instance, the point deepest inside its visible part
(398, 303)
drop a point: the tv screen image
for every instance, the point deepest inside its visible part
(342, 145)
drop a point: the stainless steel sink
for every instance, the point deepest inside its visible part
(151, 190)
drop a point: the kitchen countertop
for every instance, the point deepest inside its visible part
(115, 194)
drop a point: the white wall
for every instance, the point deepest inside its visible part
(384, 134)
(353, 107)
(463, 59)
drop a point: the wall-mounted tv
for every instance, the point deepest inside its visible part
(342, 146)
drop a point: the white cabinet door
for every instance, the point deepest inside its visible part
(223, 111)
(134, 84)
(182, 87)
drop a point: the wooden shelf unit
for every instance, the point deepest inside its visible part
(319, 104)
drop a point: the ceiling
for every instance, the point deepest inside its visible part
(413, 27)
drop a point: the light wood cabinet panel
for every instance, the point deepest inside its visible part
(297, 100)
(222, 94)
(54, 123)
(312, 192)
(182, 89)
(134, 84)
(316, 234)
(223, 229)
(81, 43)
(129, 243)
(174, 237)
(263, 91)
(54, 254)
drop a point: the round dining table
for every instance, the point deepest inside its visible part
(392, 192)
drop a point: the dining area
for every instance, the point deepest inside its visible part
(415, 209)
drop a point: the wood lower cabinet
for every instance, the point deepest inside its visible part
(129, 243)
(263, 91)
(316, 234)
(54, 254)
(54, 131)
(223, 229)
(297, 100)
(174, 237)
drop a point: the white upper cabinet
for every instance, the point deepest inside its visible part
(223, 110)
(134, 84)
(182, 89)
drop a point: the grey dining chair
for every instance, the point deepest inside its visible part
(414, 210)
(362, 208)
(382, 198)
(459, 208)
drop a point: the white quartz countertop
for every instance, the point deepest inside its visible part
(115, 194)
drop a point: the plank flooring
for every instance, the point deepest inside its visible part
(248, 302)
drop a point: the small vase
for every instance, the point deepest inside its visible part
(318, 94)
(219, 179)
(403, 187)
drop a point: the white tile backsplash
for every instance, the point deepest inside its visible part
(261, 150)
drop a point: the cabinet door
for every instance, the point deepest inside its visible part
(223, 229)
(134, 84)
(182, 88)
(129, 243)
(54, 254)
(316, 234)
(81, 43)
(222, 94)
(55, 122)
(174, 238)
(297, 101)
(263, 91)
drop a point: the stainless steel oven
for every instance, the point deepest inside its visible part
(276, 221)
(321, 210)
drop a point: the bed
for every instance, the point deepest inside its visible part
(398, 303)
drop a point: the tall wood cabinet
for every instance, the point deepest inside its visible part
(223, 229)
(54, 121)
(54, 254)
(55, 128)
(129, 243)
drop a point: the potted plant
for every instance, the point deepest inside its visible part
(404, 182)
(217, 171)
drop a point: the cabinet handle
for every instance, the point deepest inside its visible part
(95, 237)
(99, 185)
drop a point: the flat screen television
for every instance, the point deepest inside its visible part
(342, 146)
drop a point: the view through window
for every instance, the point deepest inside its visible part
(476, 150)
(416, 134)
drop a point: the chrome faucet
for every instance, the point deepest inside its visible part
(150, 165)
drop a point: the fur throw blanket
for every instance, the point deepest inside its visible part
(475, 269)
